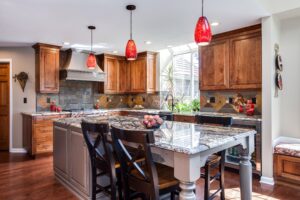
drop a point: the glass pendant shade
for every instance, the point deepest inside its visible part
(203, 32)
(131, 51)
(91, 61)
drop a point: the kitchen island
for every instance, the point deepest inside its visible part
(183, 146)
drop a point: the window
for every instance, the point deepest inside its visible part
(180, 72)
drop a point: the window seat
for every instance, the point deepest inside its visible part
(287, 164)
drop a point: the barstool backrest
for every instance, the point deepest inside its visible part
(214, 120)
(144, 179)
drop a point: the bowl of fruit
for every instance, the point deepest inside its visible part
(152, 121)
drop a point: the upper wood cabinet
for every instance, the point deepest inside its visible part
(215, 66)
(122, 76)
(232, 61)
(245, 62)
(47, 68)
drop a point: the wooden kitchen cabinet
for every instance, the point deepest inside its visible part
(47, 68)
(214, 73)
(232, 61)
(124, 77)
(38, 133)
(245, 62)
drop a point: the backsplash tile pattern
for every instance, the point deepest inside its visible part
(84, 95)
(222, 101)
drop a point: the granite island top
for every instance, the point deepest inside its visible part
(150, 111)
(180, 137)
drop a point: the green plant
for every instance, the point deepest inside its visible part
(195, 105)
(183, 107)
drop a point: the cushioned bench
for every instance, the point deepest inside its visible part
(287, 164)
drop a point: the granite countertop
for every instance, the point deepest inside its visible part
(175, 136)
(150, 111)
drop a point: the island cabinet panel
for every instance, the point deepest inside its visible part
(38, 133)
(47, 68)
(60, 152)
(245, 66)
(215, 66)
(77, 163)
(232, 61)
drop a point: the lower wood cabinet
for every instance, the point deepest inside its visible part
(38, 133)
(184, 118)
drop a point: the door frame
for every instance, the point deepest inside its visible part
(9, 61)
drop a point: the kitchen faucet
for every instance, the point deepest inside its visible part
(167, 97)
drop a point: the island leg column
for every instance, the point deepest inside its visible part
(187, 171)
(246, 169)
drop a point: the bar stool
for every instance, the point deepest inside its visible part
(102, 159)
(214, 161)
(147, 181)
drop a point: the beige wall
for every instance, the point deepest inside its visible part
(22, 60)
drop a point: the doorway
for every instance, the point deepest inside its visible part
(4, 105)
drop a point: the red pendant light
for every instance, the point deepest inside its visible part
(131, 51)
(203, 32)
(91, 60)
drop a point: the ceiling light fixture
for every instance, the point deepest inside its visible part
(91, 61)
(131, 51)
(115, 52)
(215, 24)
(148, 42)
(66, 43)
(203, 32)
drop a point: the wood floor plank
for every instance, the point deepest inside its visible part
(22, 178)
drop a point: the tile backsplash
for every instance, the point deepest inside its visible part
(222, 101)
(84, 95)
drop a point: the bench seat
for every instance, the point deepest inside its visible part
(288, 149)
(287, 164)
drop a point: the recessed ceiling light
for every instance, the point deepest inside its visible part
(148, 42)
(66, 43)
(169, 46)
(115, 52)
(215, 24)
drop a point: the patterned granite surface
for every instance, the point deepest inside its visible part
(151, 111)
(175, 136)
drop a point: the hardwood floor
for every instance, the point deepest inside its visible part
(23, 178)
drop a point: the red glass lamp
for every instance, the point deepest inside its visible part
(203, 32)
(131, 51)
(91, 60)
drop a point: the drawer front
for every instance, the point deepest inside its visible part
(287, 167)
(183, 118)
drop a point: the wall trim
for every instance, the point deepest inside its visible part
(17, 150)
(9, 60)
(267, 180)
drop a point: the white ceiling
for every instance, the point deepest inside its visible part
(164, 22)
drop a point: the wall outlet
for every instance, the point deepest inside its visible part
(48, 100)
(212, 100)
(24, 100)
(230, 99)
(253, 100)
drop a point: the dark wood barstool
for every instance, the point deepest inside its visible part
(214, 161)
(102, 159)
(147, 181)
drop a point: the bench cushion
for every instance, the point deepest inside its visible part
(288, 149)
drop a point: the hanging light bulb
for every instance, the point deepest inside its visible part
(203, 32)
(91, 60)
(131, 51)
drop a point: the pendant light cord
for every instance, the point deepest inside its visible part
(202, 8)
(91, 40)
(131, 24)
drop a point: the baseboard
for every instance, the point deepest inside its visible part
(267, 180)
(17, 150)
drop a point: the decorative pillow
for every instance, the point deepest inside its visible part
(288, 149)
